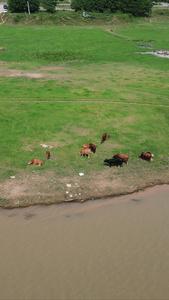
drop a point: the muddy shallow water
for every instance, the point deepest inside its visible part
(115, 248)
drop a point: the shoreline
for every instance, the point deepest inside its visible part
(20, 203)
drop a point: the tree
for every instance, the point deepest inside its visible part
(135, 7)
(88, 5)
(34, 5)
(77, 4)
(49, 5)
(93, 5)
(19, 6)
(138, 8)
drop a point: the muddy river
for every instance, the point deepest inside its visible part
(101, 249)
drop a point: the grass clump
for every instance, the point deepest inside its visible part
(61, 56)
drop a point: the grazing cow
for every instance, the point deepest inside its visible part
(36, 162)
(115, 161)
(85, 152)
(123, 156)
(104, 137)
(47, 154)
(90, 146)
(1, 48)
(147, 156)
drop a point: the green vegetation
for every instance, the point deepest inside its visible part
(49, 5)
(66, 17)
(135, 7)
(19, 6)
(66, 86)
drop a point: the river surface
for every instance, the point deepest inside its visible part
(116, 248)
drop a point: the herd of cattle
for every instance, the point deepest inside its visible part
(117, 160)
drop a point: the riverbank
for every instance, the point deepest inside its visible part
(67, 17)
(35, 189)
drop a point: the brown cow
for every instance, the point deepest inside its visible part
(47, 154)
(36, 162)
(123, 156)
(104, 137)
(90, 146)
(85, 152)
(1, 48)
(147, 156)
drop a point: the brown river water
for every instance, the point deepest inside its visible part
(116, 248)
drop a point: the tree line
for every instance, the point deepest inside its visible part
(19, 6)
(135, 7)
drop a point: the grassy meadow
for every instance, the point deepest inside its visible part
(66, 85)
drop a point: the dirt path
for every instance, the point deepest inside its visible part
(84, 101)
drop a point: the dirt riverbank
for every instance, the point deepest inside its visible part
(24, 190)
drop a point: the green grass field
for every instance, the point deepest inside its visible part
(65, 86)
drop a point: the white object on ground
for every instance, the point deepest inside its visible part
(68, 185)
(46, 146)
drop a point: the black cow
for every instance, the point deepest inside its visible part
(115, 161)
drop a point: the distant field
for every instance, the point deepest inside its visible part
(65, 86)
(93, 63)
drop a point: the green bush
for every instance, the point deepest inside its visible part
(124, 17)
(160, 12)
(17, 18)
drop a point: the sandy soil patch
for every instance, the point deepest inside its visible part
(51, 68)
(5, 71)
(19, 73)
